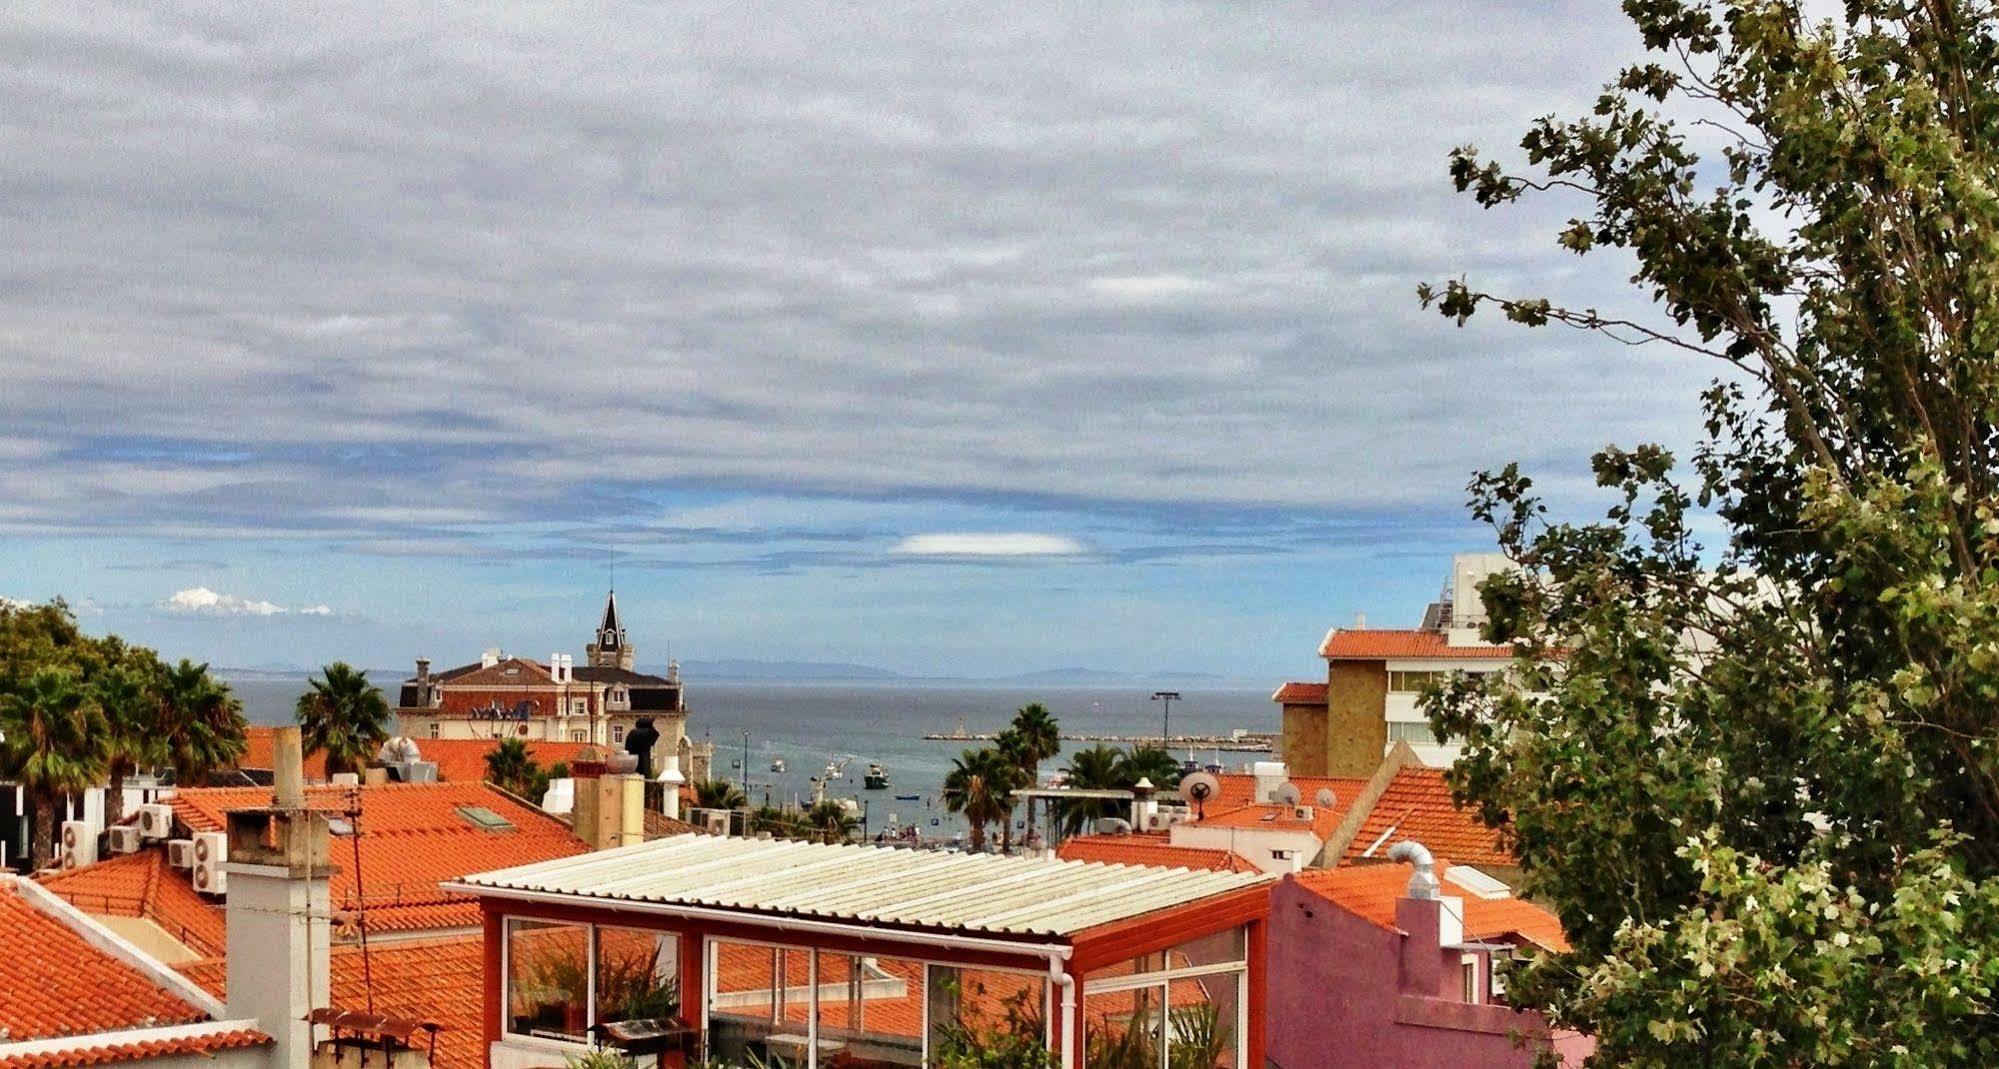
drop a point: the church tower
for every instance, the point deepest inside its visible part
(610, 650)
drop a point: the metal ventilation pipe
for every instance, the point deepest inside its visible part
(1423, 882)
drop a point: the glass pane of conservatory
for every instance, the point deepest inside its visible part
(1123, 1029)
(638, 974)
(548, 977)
(982, 1016)
(870, 1011)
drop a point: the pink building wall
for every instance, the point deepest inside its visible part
(1341, 995)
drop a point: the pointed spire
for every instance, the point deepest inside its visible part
(609, 628)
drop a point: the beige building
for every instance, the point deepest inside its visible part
(602, 701)
(1375, 677)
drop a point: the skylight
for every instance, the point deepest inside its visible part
(482, 817)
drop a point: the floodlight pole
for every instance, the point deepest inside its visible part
(1166, 698)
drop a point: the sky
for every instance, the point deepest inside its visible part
(952, 339)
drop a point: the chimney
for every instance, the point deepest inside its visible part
(609, 808)
(1360, 621)
(277, 910)
(1429, 923)
(489, 658)
(1270, 776)
(1142, 803)
(671, 779)
(422, 681)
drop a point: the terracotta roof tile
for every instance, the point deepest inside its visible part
(142, 885)
(56, 983)
(206, 1044)
(257, 746)
(458, 760)
(1239, 789)
(1378, 644)
(1417, 806)
(413, 837)
(1370, 892)
(1296, 693)
(435, 980)
(1150, 850)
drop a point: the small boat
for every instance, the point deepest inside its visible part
(907, 797)
(877, 777)
(777, 765)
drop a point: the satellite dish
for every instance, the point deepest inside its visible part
(1325, 799)
(1198, 788)
(1286, 794)
(400, 749)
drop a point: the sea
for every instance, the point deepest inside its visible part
(812, 725)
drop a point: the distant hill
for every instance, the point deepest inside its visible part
(786, 671)
(741, 670)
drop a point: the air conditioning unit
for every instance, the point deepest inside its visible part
(125, 838)
(211, 850)
(156, 821)
(715, 821)
(79, 844)
(180, 853)
(1301, 812)
(1163, 819)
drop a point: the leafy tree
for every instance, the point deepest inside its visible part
(200, 723)
(1103, 767)
(980, 786)
(1761, 788)
(718, 794)
(1149, 763)
(345, 716)
(53, 746)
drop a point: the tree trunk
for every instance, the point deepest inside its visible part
(42, 831)
(114, 798)
(978, 836)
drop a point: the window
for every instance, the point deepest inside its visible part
(548, 979)
(638, 974)
(482, 817)
(1183, 1009)
(617, 732)
(1469, 968)
(580, 707)
(1418, 733)
(436, 730)
(579, 736)
(1412, 682)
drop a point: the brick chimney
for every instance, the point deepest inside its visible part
(608, 809)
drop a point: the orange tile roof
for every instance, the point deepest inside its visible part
(458, 760)
(1370, 892)
(1150, 850)
(57, 983)
(1296, 693)
(464, 760)
(206, 1044)
(1380, 644)
(1239, 789)
(1270, 817)
(413, 836)
(1417, 806)
(435, 980)
(257, 748)
(142, 885)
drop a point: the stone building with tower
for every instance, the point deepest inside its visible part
(601, 701)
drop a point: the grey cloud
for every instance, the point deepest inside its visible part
(396, 277)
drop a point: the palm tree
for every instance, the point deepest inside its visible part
(511, 768)
(54, 745)
(127, 695)
(1149, 762)
(201, 724)
(1037, 737)
(718, 794)
(831, 822)
(1095, 768)
(345, 716)
(980, 785)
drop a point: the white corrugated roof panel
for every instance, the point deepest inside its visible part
(869, 884)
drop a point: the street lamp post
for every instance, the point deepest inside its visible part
(746, 768)
(1166, 698)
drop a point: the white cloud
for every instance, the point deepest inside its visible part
(201, 601)
(1000, 545)
(315, 610)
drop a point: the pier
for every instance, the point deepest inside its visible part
(1234, 742)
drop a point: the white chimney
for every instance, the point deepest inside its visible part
(277, 912)
(1270, 775)
(489, 658)
(671, 779)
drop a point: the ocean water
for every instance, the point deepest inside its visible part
(811, 725)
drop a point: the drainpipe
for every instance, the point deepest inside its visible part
(1058, 974)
